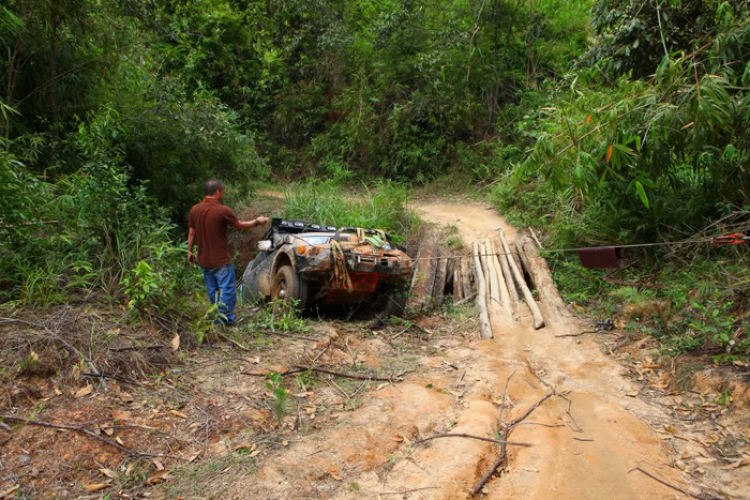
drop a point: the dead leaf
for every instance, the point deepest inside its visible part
(176, 342)
(119, 441)
(33, 356)
(255, 453)
(109, 473)
(126, 397)
(192, 457)
(744, 462)
(129, 470)
(398, 438)
(285, 443)
(336, 476)
(157, 478)
(407, 442)
(97, 486)
(109, 431)
(246, 446)
(57, 392)
(310, 410)
(178, 414)
(84, 391)
(157, 464)
(10, 491)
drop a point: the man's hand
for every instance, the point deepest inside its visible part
(191, 258)
(262, 220)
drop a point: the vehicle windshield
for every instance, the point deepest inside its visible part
(316, 239)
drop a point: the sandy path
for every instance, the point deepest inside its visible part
(590, 456)
(458, 388)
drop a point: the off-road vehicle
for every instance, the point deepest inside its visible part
(311, 264)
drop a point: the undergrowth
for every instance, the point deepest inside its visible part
(382, 206)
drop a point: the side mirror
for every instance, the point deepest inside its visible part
(264, 246)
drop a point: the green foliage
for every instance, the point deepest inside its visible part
(383, 206)
(281, 396)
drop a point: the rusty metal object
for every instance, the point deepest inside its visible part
(600, 257)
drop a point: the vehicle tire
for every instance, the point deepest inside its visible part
(395, 306)
(287, 287)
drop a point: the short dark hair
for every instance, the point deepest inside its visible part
(212, 186)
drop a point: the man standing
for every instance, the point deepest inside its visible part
(208, 224)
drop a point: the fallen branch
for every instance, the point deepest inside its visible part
(343, 375)
(463, 301)
(111, 377)
(138, 347)
(576, 334)
(469, 436)
(584, 440)
(669, 485)
(503, 448)
(83, 430)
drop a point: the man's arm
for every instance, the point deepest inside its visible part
(191, 242)
(243, 225)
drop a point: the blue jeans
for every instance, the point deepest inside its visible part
(221, 279)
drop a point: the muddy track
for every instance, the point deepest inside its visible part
(586, 439)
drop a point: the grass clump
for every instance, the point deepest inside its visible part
(383, 206)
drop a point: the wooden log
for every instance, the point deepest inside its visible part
(521, 282)
(490, 275)
(466, 275)
(541, 276)
(423, 280)
(505, 283)
(457, 289)
(510, 282)
(441, 275)
(484, 321)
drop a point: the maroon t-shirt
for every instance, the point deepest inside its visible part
(210, 219)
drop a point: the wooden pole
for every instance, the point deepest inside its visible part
(508, 277)
(541, 276)
(484, 321)
(489, 273)
(505, 282)
(535, 311)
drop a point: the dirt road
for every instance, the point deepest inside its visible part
(584, 445)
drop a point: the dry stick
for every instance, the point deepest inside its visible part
(535, 311)
(137, 348)
(80, 429)
(484, 322)
(343, 375)
(469, 436)
(668, 485)
(503, 448)
(576, 334)
(469, 298)
(295, 337)
(508, 279)
(235, 342)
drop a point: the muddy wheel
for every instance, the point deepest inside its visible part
(288, 287)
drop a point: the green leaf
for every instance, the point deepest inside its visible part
(642, 193)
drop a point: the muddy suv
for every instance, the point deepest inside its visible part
(317, 264)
